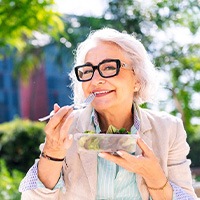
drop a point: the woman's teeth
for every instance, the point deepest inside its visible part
(101, 92)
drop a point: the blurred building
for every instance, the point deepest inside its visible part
(47, 85)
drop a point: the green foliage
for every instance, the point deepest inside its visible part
(197, 178)
(194, 152)
(9, 182)
(194, 141)
(20, 18)
(26, 26)
(19, 143)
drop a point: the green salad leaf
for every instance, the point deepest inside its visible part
(113, 130)
(90, 132)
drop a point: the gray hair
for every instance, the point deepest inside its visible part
(135, 51)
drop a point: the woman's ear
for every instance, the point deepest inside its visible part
(137, 86)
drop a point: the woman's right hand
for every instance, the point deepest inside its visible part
(57, 138)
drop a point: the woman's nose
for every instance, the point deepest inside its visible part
(97, 78)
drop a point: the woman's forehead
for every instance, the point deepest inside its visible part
(104, 50)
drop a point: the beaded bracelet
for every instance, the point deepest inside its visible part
(44, 155)
(160, 188)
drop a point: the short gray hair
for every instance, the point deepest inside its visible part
(133, 48)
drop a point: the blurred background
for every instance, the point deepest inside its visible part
(37, 43)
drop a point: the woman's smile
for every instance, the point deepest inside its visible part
(102, 92)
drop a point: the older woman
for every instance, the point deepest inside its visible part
(115, 67)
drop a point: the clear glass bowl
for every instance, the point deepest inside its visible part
(106, 142)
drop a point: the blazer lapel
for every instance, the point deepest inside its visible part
(140, 181)
(89, 162)
(145, 128)
(146, 135)
(89, 159)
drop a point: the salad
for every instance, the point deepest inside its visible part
(111, 141)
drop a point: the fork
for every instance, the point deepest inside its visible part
(87, 101)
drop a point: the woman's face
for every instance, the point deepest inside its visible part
(114, 92)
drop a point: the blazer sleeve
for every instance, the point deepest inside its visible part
(32, 188)
(178, 165)
(42, 194)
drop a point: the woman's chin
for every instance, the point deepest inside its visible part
(100, 105)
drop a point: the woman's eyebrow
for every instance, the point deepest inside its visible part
(88, 63)
(106, 59)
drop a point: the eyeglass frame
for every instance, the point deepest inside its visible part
(96, 67)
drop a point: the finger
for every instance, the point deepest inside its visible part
(59, 134)
(124, 154)
(56, 107)
(62, 113)
(145, 148)
(57, 118)
(66, 125)
(125, 160)
(116, 159)
(127, 156)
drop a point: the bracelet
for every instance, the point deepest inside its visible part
(44, 155)
(161, 188)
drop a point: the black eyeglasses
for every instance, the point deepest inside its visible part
(106, 68)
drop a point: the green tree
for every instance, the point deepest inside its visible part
(26, 26)
(21, 19)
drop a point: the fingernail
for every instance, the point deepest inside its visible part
(119, 153)
(101, 155)
(56, 105)
(70, 136)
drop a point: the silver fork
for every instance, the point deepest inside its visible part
(87, 101)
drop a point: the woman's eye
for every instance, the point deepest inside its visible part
(109, 68)
(88, 71)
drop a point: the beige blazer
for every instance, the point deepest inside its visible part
(162, 132)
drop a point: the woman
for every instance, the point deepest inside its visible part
(115, 67)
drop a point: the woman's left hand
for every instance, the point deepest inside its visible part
(147, 164)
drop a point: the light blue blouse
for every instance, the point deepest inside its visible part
(113, 181)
